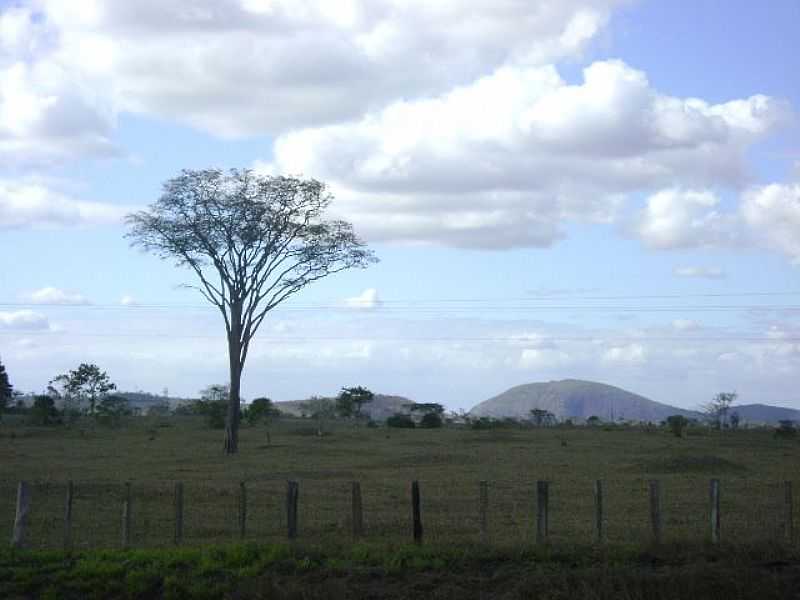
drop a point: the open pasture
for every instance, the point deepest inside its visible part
(449, 464)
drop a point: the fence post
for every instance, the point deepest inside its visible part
(415, 512)
(714, 493)
(178, 512)
(598, 511)
(21, 515)
(542, 505)
(655, 509)
(242, 509)
(358, 513)
(126, 516)
(788, 507)
(292, 492)
(68, 517)
(483, 511)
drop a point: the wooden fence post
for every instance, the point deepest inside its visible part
(178, 512)
(483, 511)
(598, 511)
(788, 508)
(542, 506)
(358, 513)
(126, 516)
(68, 516)
(655, 510)
(714, 497)
(292, 493)
(242, 509)
(21, 515)
(416, 512)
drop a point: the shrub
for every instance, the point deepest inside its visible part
(677, 424)
(43, 411)
(786, 429)
(400, 420)
(431, 420)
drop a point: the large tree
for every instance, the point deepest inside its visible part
(252, 241)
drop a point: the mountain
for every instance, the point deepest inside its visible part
(764, 413)
(577, 398)
(381, 407)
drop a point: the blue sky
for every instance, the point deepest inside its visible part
(592, 189)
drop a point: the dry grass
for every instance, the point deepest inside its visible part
(449, 463)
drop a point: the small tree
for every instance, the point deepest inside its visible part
(594, 421)
(252, 241)
(320, 409)
(6, 390)
(542, 417)
(350, 401)
(87, 383)
(112, 409)
(213, 405)
(717, 410)
(43, 411)
(677, 424)
(262, 410)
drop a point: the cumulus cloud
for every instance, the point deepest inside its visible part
(367, 299)
(23, 320)
(699, 272)
(52, 295)
(29, 204)
(308, 62)
(772, 213)
(686, 324)
(633, 353)
(504, 161)
(675, 218)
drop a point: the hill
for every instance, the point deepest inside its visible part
(764, 413)
(577, 399)
(381, 407)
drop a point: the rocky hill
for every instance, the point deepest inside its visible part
(577, 399)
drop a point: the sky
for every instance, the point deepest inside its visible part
(591, 189)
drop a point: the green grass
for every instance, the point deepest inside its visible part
(449, 463)
(358, 571)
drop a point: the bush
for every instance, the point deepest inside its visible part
(400, 420)
(786, 430)
(43, 411)
(677, 424)
(431, 420)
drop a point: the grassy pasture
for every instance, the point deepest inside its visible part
(449, 463)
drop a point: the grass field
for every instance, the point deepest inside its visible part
(751, 465)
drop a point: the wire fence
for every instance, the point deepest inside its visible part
(102, 514)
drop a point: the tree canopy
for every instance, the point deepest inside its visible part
(252, 241)
(6, 389)
(86, 384)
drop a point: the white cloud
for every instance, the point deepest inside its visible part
(676, 218)
(699, 272)
(309, 62)
(52, 295)
(367, 299)
(772, 213)
(30, 204)
(504, 161)
(633, 353)
(539, 358)
(23, 320)
(686, 325)
(128, 300)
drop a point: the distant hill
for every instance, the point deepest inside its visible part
(764, 413)
(381, 407)
(578, 399)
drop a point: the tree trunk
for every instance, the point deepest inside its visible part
(234, 357)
